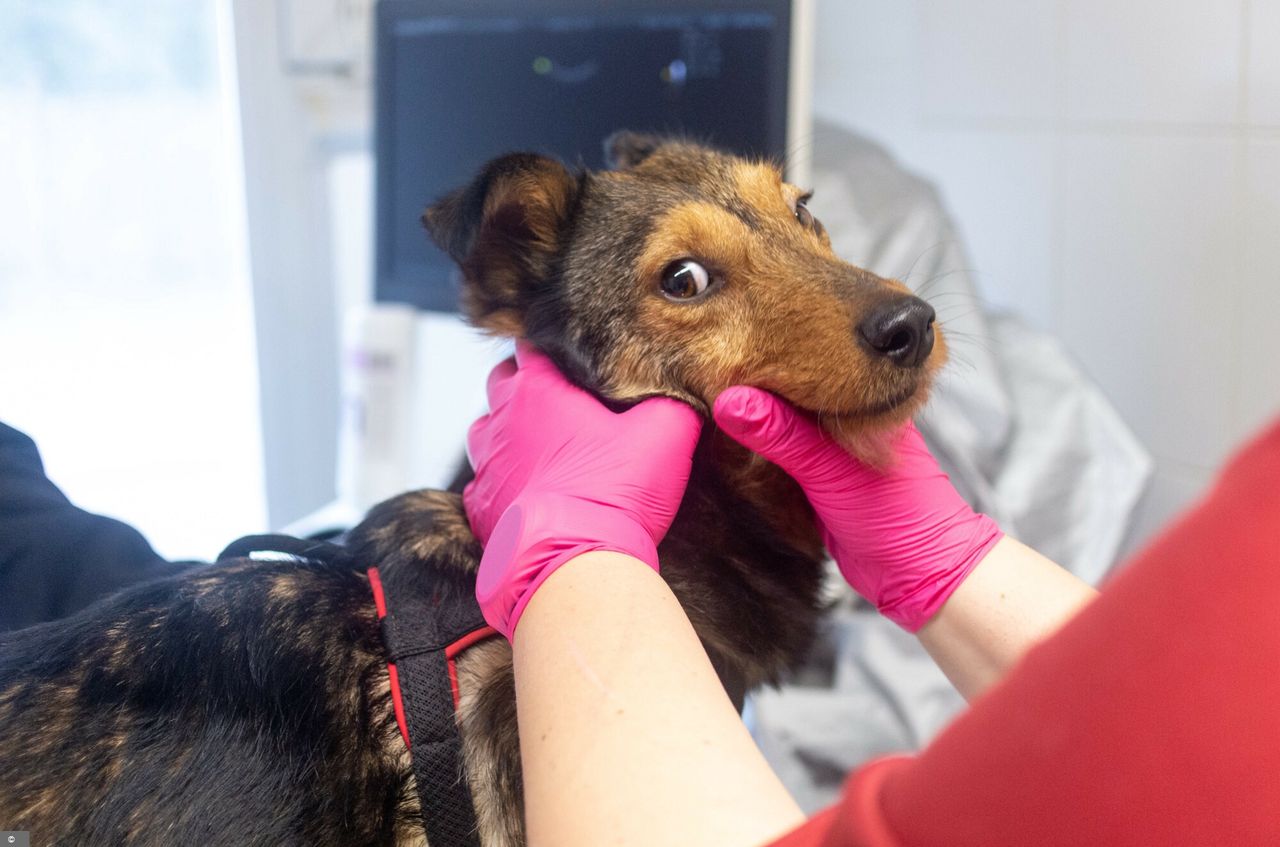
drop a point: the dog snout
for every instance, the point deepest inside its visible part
(900, 331)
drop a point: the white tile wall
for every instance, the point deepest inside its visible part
(866, 65)
(1257, 310)
(1000, 192)
(992, 59)
(1264, 62)
(1114, 169)
(1148, 255)
(1174, 489)
(1152, 60)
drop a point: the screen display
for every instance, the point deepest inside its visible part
(455, 89)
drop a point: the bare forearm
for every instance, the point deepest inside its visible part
(625, 731)
(1013, 599)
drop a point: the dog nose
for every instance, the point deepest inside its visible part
(901, 331)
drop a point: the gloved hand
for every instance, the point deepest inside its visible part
(902, 536)
(558, 474)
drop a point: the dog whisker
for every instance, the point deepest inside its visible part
(958, 317)
(943, 243)
(938, 277)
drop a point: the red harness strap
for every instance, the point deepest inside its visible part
(451, 653)
(424, 628)
(379, 601)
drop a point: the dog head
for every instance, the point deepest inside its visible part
(683, 271)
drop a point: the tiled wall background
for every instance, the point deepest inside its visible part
(1114, 168)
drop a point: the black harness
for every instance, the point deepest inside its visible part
(422, 639)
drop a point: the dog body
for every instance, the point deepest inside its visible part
(249, 702)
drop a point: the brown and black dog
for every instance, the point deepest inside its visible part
(248, 702)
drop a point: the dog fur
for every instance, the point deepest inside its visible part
(248, 702)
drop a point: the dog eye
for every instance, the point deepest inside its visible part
(804, 216)
(684, 280)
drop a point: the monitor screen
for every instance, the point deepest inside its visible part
(459, 83)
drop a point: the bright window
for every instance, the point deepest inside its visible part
(126, 325)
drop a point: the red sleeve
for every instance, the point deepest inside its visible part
(857, 820)
(1152, 718)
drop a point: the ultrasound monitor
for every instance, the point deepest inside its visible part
(460, 82)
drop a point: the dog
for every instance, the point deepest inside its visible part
(249, 702)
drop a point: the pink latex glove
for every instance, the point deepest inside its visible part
(558, 474)
(902, 536)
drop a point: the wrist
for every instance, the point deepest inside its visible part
(1013, 598)
(536, 535)
(916, 592)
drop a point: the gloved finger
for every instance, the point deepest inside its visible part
(473, 506)
(911, 455)
(533, 360)
(500, 385)
(528, 355)
(674, 421)
(478, 442)
(766, 424)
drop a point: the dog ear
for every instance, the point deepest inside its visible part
(626, 149)
(504, 230)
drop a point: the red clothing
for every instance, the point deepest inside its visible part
(1152, 718)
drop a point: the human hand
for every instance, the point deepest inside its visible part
(558, 474)
(901, 535)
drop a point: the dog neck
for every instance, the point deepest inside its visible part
(745, 559)
(770, 491)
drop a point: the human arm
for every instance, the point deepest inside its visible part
(1100, 736)
(625, 729)
(1148, 718)
(1013, 599)
(905, 539)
